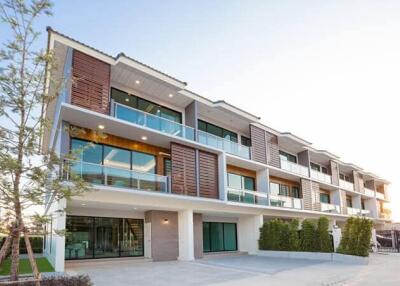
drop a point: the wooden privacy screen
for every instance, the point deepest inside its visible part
(184, 172)
(91, 83)
(208, 175)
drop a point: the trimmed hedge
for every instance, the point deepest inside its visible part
(356, 237)
(285, 236)
(36, 243)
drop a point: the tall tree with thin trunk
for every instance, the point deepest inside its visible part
(26, 175)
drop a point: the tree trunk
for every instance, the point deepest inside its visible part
(31, 256)
(6, 247)
(15, 254)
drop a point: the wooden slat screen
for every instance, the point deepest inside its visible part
(208, 175)
(183, 179)
(91, 83)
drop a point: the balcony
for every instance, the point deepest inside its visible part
(223, 144)
(97, 174)
(346, 185)
(353, 211)
(286, 202)
(369, 192)
(322, 177)
(151, 121)
(365, 212)
(294, 168)
(247, 196)
(330, 208)
(380, 196)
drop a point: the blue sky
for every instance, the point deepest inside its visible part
(324, 70)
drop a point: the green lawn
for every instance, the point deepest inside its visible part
(25, 267)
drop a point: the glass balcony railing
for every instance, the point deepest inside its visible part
(346, 185)
(380, 196)
(247, 196)
(369, 192)
(294, 168)
(286, 202)
(353, 211)
(365, 212)
(322, 177)
(117, 177)
(223, 144)
(152, 121)
(325, 207)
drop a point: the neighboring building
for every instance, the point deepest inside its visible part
(179, 175)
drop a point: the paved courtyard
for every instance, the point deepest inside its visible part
(241, 270)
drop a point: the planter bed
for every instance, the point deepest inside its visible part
(336, 257)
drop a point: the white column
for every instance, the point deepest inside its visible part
(185, 229)
(248, 229)
(222, 177)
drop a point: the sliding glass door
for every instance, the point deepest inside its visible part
(100, 237)
(219, 236)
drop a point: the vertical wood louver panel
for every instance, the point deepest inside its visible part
(315, 196)
(272, 150)
(208, 175)
(335, 173)
(91, 83)
(307, 194)
(183, 161)
(258, 144)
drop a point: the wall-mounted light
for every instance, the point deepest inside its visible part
(170, 95)
(166, 221)
(137, 81)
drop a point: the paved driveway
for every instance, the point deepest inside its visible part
(241, 270)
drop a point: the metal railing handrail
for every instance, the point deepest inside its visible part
(152, 115)
(223, 140)
(249, 192)
(157, 178)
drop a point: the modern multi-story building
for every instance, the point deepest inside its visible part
(177, 175)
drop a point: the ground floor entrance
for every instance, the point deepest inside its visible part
(103, 237)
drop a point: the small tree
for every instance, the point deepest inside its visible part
(323, 238)
(26, 175)
(356, 237)
(294, 241)
(307, 236)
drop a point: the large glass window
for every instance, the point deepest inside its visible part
(288, 157)
(97, 237)
(167, 167)
(217, 131)
(315, 167)
(117, 172)
(90, 158)
(79, 237)
(284, 190)
(245, 141)
(274, 188)
(124, 98)
(324, 198)
(349, 202)
(240, 182)
(296, 192)
(106, 239)
(219, 236)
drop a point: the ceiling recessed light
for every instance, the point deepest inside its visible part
(170, 95)
(135, 208)
(144, 137)
(101, 126)
(83, 204)
(127, 99)
(137, 81)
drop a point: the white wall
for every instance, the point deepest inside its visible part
(55, 243)
(248, 233)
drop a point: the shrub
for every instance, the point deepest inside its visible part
(356, 237)
(279, 235)
(79, 280)
(323, 238)
(36, 242)
(307, 236)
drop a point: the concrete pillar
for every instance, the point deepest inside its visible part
(185, 230)
(262, 181)
(356, 201)
(222, 179)
(248, 229)
(374, 240)
(370, 204)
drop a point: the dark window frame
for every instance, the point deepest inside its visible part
(223, 236)
(159, 106)
(207, 124)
